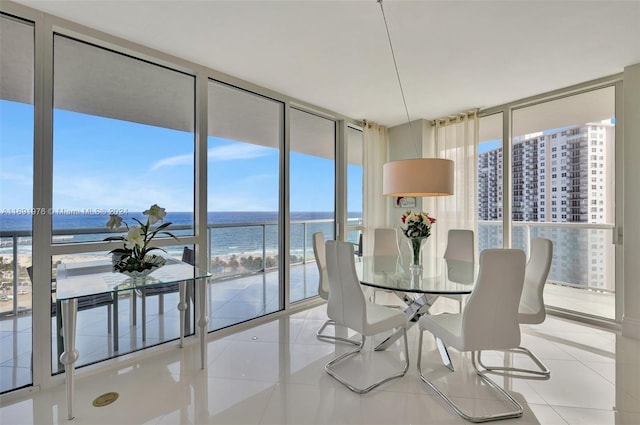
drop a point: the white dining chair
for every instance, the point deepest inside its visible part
(349, 308)
(460, 248)
(531, 310)
(489, 321)
(385, 243)
(323, 288)
(460, 245)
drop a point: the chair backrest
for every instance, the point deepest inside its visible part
(532, 310)
(490, 317)
(385, 241)
(347, 305)
(321, 261)
(460, 245)
(359, 252)
(189, 256)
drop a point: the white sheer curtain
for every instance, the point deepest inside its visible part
(375, 204)
(456, 138)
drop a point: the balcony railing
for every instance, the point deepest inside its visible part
(583, 254)
(234, 249)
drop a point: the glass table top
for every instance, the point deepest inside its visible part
(439, 275)
(96, 277)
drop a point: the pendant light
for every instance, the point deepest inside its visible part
(420, 176)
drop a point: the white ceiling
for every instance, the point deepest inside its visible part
(452, 55)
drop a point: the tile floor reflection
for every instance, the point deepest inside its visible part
(274, 374)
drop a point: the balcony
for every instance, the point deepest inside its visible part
(572, 284)
(246, 285)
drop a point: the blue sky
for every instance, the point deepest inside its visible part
(489, 145)
(106, 163)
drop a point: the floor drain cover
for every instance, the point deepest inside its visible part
(105, 399)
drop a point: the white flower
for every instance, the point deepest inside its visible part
(418, 225)
(155, 214)
(115, 221)
(134, 238)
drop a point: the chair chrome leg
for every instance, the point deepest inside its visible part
(330, 338)
(352, 387)
(444, 354)
(543, 371)
(477, 419)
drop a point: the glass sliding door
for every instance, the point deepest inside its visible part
(311, 196)
(123, 140)
(563, 173)
(16, 201)
(490, 183)
(243, 190)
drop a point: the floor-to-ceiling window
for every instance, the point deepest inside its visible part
(563, 189)
(561, 186)
(123, 140)
(243, 191)
(16, 200)
(311, 195)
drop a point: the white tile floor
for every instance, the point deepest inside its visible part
(274, 374)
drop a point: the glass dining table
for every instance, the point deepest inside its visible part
(418, 289)
(75, 280)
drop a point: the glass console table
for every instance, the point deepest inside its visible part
(75, 280)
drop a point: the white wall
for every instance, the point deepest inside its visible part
(631, 199)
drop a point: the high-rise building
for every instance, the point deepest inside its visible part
(558, 176)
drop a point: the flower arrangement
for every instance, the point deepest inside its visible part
(418, 225)
(133, 258)
(417, 230)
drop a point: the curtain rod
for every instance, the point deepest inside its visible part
(456, 116)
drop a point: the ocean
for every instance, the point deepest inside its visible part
(240, 232)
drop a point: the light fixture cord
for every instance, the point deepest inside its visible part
(395, 64)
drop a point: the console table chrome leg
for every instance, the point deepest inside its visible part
(115, 323)
(182, 307)
(70, 354)
(143, 319)
(203, 322)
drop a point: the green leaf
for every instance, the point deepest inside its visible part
(163, 226)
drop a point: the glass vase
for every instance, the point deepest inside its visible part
(415, 249)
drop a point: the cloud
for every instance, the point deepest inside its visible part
(173, 161)
(73, 192)
(237, 151)
(23, 179)
(229, 152)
